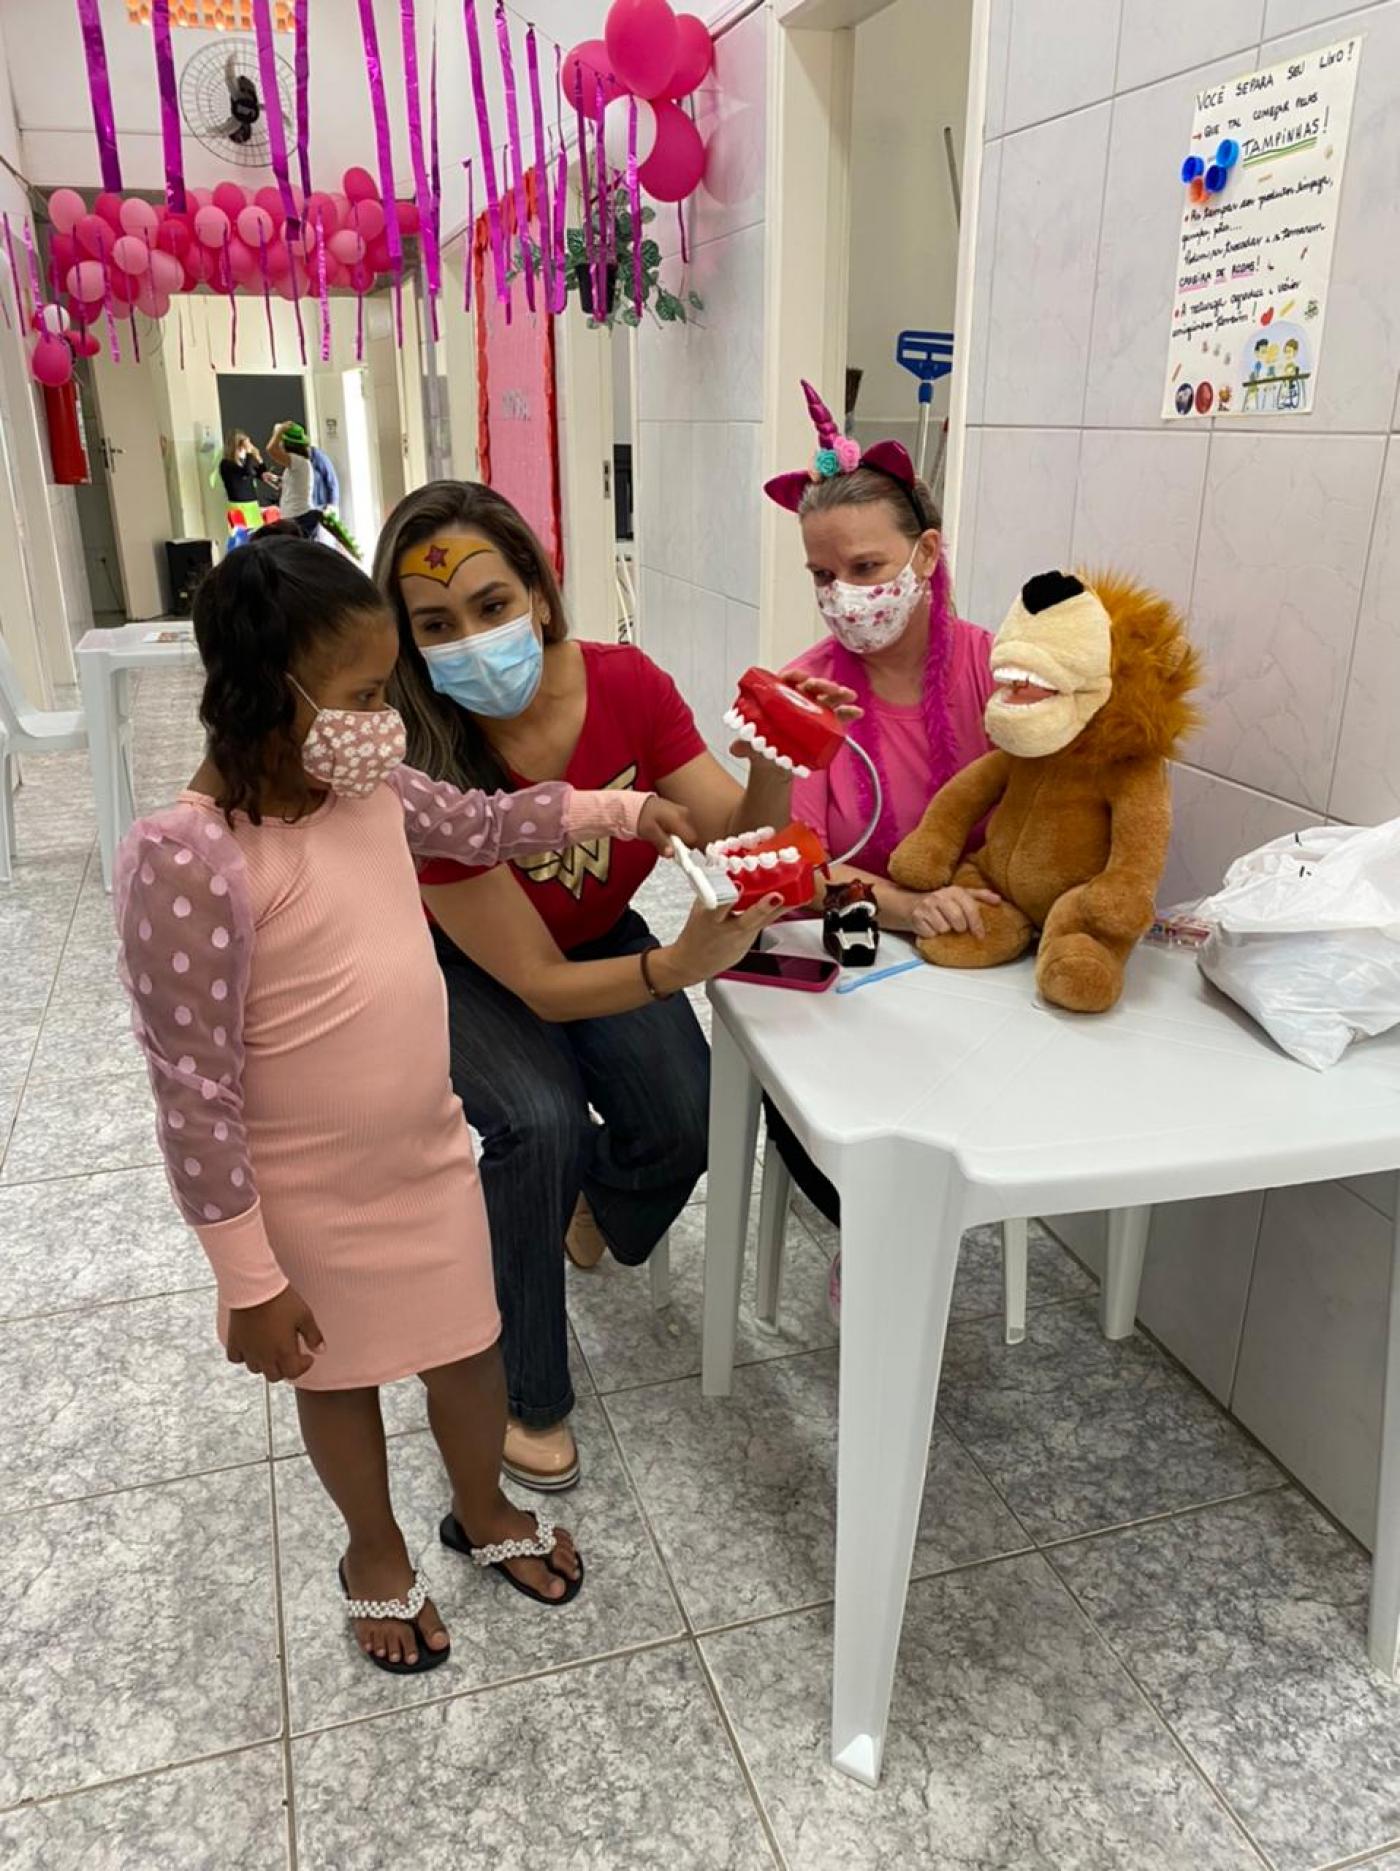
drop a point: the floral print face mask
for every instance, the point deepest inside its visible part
(351, 750)
(869, 618)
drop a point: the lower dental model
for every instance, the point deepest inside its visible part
(784, 725)
(744, 870)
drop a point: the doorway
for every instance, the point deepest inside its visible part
(256, 404)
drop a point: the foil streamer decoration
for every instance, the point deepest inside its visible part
(532, 59)
(634, 203)
(36, 284)
(169, 108)
(487, 153)
(359, 328)
(436, 210)
(111, 316)
(561, 245)
(323, 290)
(301, 329)
(379, 102)
(470, 237)
(517, 158)
(272, 112)
(685, 239)
(408, 28)
(303, 74)
(100, 91)
(602, 189)
(267, 297)
(585, 182)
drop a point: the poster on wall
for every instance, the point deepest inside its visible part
(1262, 180)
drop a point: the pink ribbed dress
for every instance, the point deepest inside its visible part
(294, 1021)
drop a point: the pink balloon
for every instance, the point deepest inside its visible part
(63, 251)
(321, 207)
(278, 260)
(167, 274)
(123, 286)
(360, 185)
(108, 207)
(200, 197)
(270, 201)
(84, 344)
(407, 215)
(695, 53)
(66, 209)
(154, 304)
(362, 278)
(347, 246)
(367, 218)
(201, 263)
(378, 256)
(139, 217)
(95, 236)
(643, 43)
(293, 285)
(342, 209)
(174, 234)
(337, 272)
(231, 198)
(587, 63)
(131, 254)
(677, 161)
(85, 311)
(244, 262)
(211, 226)
(255, 224)
(51, 362)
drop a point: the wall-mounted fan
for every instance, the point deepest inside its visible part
(221, 98)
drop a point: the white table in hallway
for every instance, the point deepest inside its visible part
(937, 1101)
(104, 658)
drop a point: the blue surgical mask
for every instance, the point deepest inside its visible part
(495, 673)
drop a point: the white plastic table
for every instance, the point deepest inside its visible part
(103, 658)
(939, 1100)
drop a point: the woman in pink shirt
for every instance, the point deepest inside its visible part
(872, 534)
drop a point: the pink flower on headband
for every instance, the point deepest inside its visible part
(847, 454)
(840, 454)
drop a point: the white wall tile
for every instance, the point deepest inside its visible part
(1366, 785)
(710, 691)
(1137, 250)
(1139, 505)
(666, 612)
(1312, 1359)
(731, 115)
(976, 346)
(1213, 823)
(1046, 234)
(998, 54)
(960, 548)
(1054, 67)
(1292, 15)
(1379, 1191)
(740, 639)
(1024, 515)
(727, 509)
(1195, 1284)
(726, 353)
(666, 367)
(665, 494)
(1158, 40)
(1286, 527)
(1361, 343)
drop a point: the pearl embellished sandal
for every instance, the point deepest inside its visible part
(453, 1534)
(403, 1611)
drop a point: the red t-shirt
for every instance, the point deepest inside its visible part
(637, 729)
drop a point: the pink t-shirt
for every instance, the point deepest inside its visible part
(830, 801)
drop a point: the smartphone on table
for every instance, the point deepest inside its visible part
(809, 974)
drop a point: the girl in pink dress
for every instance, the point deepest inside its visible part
(294, 1023)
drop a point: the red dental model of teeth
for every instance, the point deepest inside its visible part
(768, 863)
(784, 725)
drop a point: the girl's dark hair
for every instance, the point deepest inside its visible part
(278, 602)
(443, 739)
(912, 508)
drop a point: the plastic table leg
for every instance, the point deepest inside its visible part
(734, 1107)
(1015, 1265)
(773, 1206)
(97, 682)
(1128, 1229)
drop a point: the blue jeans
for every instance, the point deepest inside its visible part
(526, 1086)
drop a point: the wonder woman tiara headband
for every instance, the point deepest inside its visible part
(840, 454)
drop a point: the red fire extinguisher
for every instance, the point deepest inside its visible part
(67, 444)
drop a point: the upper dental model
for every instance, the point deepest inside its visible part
(784, 725)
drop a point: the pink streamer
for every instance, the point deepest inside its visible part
(408, 25)
(267, 296)
(100, 91)
(685, 243)
(303, 73)
(561, 246)
(559, 92)
(359, 328)
(435, 210)
(517, 158)
(169, 108)
(379, 102)
(634, 203)
(110, 314)
(586, 190)
(301, 329)
(135, 339)
(487, 152)
(470, 266)
(36, 284)
(272, 109)
(323, 290)
(532, 59)
(603, 191)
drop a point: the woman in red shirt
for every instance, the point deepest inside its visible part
(559, 997)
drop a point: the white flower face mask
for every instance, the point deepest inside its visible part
(868, 618)
(352, 750)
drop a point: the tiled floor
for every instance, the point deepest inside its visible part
(1130, 1643)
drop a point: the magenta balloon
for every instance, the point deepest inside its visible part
(695, 53)
(139, 217)
(122, 286)
(337, 272)
(174, 235)
(244, 261)
(153, 303)
(255, 224)
(643, 43)
(131, 254)
(66, 209)
(677, 161)
(167, 274)
(200, 197)
(202, 262)
(362, 278)
(231, 198)
(84, 344)
(367, 218)
(270, 201)
(347, 246)
(408, 217)
(85, 280)
(109, 208)
(360, 185)
(51, 362)
(95, 236)
(587, 63)
(86, 311)
(322, 207)
(211, 226)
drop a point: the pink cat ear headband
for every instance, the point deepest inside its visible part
(839, 454)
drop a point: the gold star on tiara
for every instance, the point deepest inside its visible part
(440, 560)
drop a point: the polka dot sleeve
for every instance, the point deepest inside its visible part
(483, 828)
(186, 933)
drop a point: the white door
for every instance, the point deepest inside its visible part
(129, 439)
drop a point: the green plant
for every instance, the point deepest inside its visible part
(667, 307)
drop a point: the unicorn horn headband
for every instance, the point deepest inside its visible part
(840, 454)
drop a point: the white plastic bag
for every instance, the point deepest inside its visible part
(1305, 935)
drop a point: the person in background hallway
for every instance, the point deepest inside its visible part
(241, 469)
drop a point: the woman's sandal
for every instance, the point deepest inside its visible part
(402, 1611)
(453, 1534)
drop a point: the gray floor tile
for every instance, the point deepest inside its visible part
(1079, 1433)
(622, 1765)
(139, 1631)
(496, 1633)
(86, 1031)
(627, 1342)
(73, 1126)
(1247, 1626)
(87, 1239)
(741, 1490)
(19, 1028)
(119, 1397)
(222, 1815)
(29, 962)
(1015, 1743)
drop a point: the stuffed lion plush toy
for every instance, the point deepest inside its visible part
(1092, 681)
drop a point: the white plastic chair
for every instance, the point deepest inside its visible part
(26, 730)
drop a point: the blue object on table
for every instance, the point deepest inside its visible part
(879, 974)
